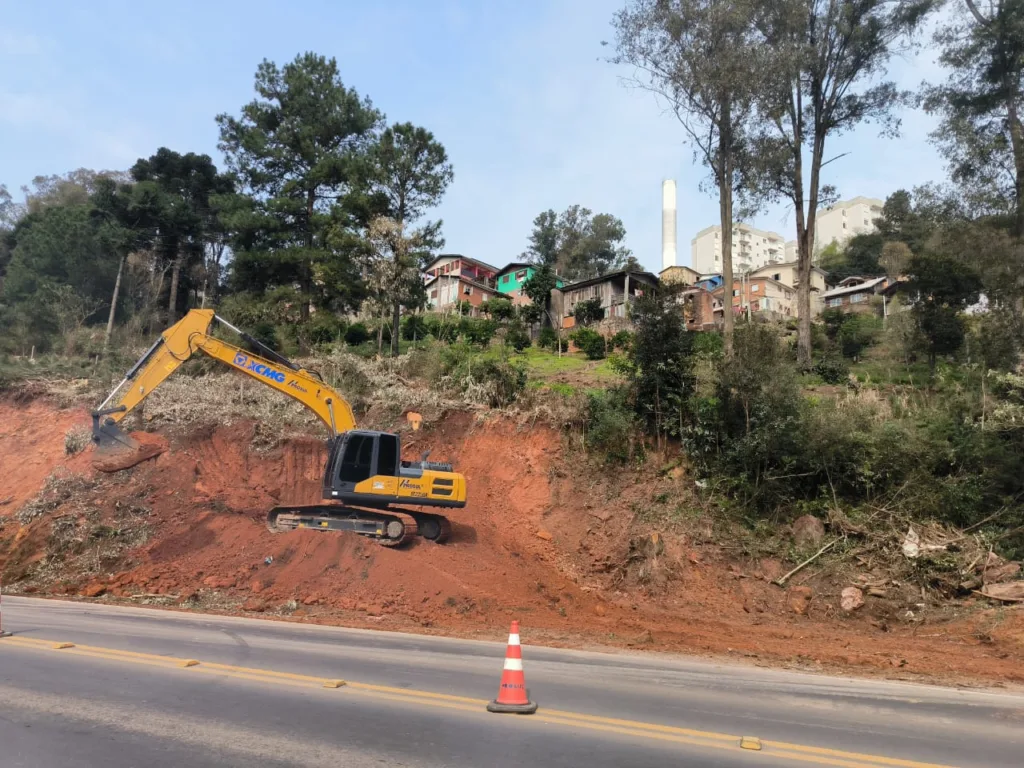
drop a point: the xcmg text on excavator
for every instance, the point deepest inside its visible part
(365, 479)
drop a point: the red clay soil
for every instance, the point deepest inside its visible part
(558, 552)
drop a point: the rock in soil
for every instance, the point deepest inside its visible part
(808, 531)
(851, 599)
(799, 600)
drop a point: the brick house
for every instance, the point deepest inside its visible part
(451, 278)
(761, 295)
(787, 274)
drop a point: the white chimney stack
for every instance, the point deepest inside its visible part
(668, 223)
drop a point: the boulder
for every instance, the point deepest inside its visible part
(799, 599)
(94, 590)
(851, 599)
(542, 534)
(808, 532)
(254, 605)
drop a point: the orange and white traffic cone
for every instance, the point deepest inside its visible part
(512, 694)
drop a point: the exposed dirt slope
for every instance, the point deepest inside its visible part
(567, 555)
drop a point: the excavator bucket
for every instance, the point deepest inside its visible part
(116, 451)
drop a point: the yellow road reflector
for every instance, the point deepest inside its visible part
(62, 646)
(750, 742)
(189, 663)
(334, 683)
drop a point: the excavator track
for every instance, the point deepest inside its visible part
(435, 528)
(391, 529)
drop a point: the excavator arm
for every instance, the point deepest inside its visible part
(191, 334)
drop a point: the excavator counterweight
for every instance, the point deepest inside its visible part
(370, 490)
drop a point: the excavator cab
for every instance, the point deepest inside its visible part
(365, 467)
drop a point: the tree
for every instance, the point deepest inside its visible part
(825, 56)
(299, 151)
(10, 213)
(702, 58)
(58, 253)
(538, 288)
(394, 269)
(940, 288)
(181, 189)
(895, 258)
(412, 170)
(588, 311)
(73, 188)
(981, 133)
(577, 244)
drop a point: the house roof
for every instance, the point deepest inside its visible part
(514, 266)
(843, 290)
(460, 257)
(794, 264)
(650, 277)
(721, 288)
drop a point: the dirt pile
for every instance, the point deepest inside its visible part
(576, 554)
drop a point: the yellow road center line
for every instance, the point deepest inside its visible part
(655, 731)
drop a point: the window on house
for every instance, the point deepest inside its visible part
(865, 222)
(754, 288)
(835, 302)
(521, 274)
(505, 278)
(433, 294)
(844, 225)
(468, 290)
(735, 292)
(777, 276)
(857, 298)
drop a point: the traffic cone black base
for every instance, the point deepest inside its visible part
(512, 709)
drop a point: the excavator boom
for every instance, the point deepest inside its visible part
(191, 334)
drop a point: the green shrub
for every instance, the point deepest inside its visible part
(481, 377)
(832, 369)
(414, 327)
(516, 336)
(323, 329)
(265, 333)
(612, 428)
(590, 342)
(588, 311)
(357, 334)
(856, 332)
(498, 308)
(478, 330)
(548, 339)
(621, 340)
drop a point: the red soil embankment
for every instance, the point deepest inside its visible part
(553, 546)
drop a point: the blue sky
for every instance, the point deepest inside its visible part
(517, 90)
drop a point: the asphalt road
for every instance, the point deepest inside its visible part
(121, 696)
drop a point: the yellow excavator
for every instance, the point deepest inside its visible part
(366, 480)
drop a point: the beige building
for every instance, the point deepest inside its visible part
(677, 274)
(751, 248)
(785, 273)
(839, 222)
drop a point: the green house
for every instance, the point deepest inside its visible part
(509, 281)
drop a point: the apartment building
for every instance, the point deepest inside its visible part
(751, 248)
(841, 221)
